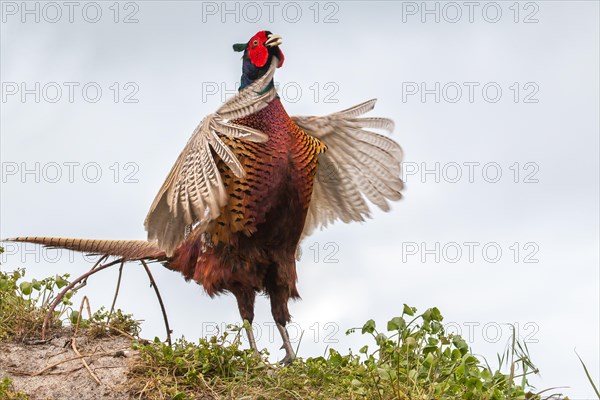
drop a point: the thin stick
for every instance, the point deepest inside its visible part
(162, 306)
(119, 331)
(106, 353)
(100, 260)
(70, 286)
(74, 339)
(84, 300)
(85, 364)
(112, 307)
(207, 386)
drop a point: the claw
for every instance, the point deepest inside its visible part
(287, 361)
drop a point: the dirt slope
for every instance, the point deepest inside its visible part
(108, 359)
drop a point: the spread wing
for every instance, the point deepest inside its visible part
(358, 165)
(193, 193)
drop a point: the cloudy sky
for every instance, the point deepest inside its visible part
(495, 104)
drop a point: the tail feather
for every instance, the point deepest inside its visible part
(127, 249)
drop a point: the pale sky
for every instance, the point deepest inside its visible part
(495, 104)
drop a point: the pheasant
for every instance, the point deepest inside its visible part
(251, 183)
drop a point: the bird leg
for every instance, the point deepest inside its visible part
(245, 299)
(250, 334)
(280, 286)
(287, 345)
(281, 315)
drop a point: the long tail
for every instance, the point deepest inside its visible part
(127, 249)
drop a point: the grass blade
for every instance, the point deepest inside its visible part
(588, 375)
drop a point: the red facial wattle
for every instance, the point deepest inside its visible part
(280, 57)
(259, 53)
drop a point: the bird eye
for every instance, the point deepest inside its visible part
(255, 42)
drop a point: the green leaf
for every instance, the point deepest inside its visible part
(456, 354)
(486, 374)
(368, 327)
(426, 325)
(429, 359)
(432, 314)
(384, 373)
(460, 344)
(436, 327)
(408, 310)
(37, 285)
(381, 339)
(26, 288)
(396, 324)
(73, 317)
(429, 349)
(410, 341)
(436, 315)
(61, 282)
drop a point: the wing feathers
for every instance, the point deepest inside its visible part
(193, 192)
(377, 123)
(358, 109)
(253, 98)
(358, 165)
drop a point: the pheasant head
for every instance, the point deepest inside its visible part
(258, 52)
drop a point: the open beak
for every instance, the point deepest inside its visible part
(273, 40)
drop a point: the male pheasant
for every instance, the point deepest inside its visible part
(244, 191)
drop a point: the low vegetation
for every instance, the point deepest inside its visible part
(412, 357)
(24, 305)
(8, 392)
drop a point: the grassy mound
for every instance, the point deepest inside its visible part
(411, 358)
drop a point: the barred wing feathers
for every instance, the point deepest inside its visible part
(359, 164)
(193, 193)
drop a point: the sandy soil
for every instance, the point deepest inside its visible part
(108, 358)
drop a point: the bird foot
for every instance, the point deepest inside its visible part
(287, 345)
(287, 360)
